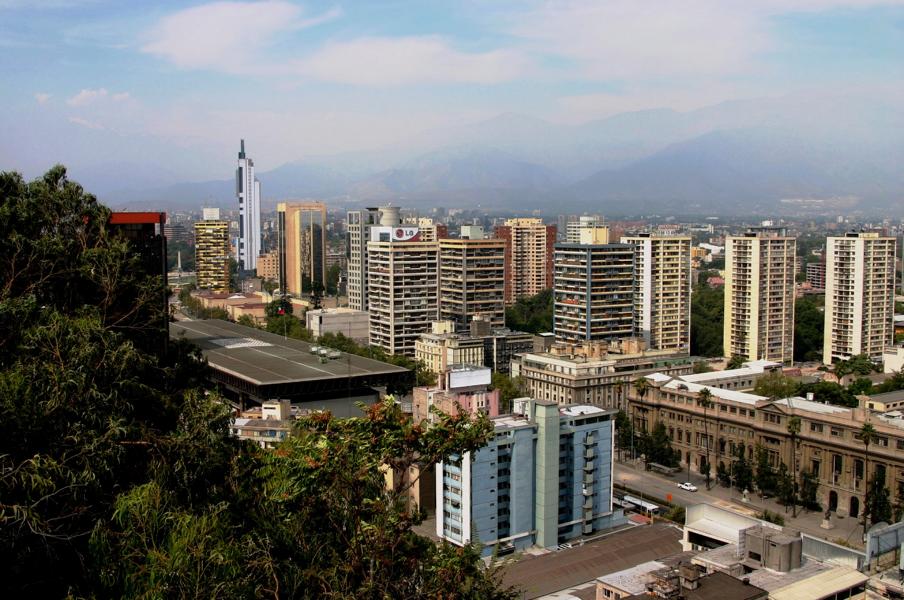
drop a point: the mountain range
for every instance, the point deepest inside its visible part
(788, 154)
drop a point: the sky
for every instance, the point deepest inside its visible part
(95, 84)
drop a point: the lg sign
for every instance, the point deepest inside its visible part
(405, 234)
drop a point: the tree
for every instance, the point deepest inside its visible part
(830, 392)
(861, 365)
(701, 366)
(878, 502)
(723, 475)
(247, 321)
(765, 477)
(509, 389)
(785, 486)
(794, 431)
(657, 447)
(775, 386)
(735, 362)
(808, 330)
(332, 280)
(624, 432)
(704, 399)
(641, 386)
(867, 435)
(532, 314)
(278, 307)
(707, 316)
(809, 485)
(741, 470)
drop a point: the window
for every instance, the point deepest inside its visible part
(816, 427)
(837, 432)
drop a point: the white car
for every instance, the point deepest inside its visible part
(688, 486)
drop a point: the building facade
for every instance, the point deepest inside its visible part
(759, 295)
(593, 293)
(358, 224)
(860, 296)
(816, 275)
(268, 266)
(354, 324)
(248, 192)
(403, 281)
(301, 247)
(545, 477)
(662, 290)
(528, 256)
(574, 227)
(212, 255)
(472, 280)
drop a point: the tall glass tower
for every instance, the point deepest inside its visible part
(248, 191)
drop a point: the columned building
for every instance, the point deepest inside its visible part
(248, 192)
(302, 247)
(759, 295)
(860, 296)
(528, 256)
(662, 290)
(212, 255)
(472, 280)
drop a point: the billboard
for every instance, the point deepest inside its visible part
(400, 233)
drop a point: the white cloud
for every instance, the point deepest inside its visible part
(85, 123)
(42, 97)
(225, 35)
(120, 97)
(393, 61)
(87, 96)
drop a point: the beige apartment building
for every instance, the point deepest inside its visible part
(403, 280)
(442, 348)
(592, 373)
(662, 290)
(268, 266)
(860, 296)
(759, 295)
(212, 255)
(302, 246)
(528, 256)
(472, 280)
(827, 444)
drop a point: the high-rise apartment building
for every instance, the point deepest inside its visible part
(593, 293)
(545, 477)
(430, 230)
(575, 227)
(268, 266)
(472, 280)
(358, 225)
(759, 295)
(662, 290)
(860, 296)
(528, 256)
(248, 192)
(403, 282)
(816, 274)
(212, 255)
(301, 247)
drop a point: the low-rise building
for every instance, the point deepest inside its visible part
(354, 324)
(256, 311)
(893, 359)
(273, 425)
(544, 477)
(743, 378)
(484, 345)
(460, 387)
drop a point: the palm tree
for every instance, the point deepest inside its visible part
(794, 430)
(704, 399)
(641, 386)
(867, 435)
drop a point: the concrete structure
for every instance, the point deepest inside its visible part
(273, 426)
(403, 281)
(248, 192)
(212, 255)
(430, 231)
(593, 292)
(759, 295)
(302, 247)
(827, 446)
(893, 359)
(256, 311)
(354, 324)
(662, 290)
(358, 224)
(483, 345)
(593, 373)
(528, 256)
(816, 275)
(743, 378)
(574, 228)
(544, 478)
(460, 388)
(860, 296)
(268, 266)
(472, 280)
(688, 582)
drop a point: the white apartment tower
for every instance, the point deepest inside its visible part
(662, 290)
(248, 191)
(759, 295)
(358, 226)
(574, 227)
(860, 291)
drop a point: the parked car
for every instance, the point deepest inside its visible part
(688, 486)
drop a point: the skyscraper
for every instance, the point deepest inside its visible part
(301, 247)
(472, 279)
(860, 291)
(528, 256)
(573, 233)
(593, 294)
(358, 224)
(662, 290)
(212, 253)
(759, 295)
(248, 191)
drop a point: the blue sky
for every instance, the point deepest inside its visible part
(93, 82)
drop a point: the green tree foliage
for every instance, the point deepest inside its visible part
(532, 314)
(247, 321)
(707, 315)
(509, 389)
(878, 502)
(701, 366)
(176, 249)
(765, 478)
(194, 308)
(808, 329)
(735, 362)
(857, 365)
(279, 307)
(775, 385)
(118, 475)
(723, 475)
(772, 517)
(741, 471)
(624, 432)
(332, 280)
(657, 447)
(827, 391)
(809, 486)
(892, 384)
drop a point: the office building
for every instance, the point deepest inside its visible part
(544, 478)
(248, 192)
(403, 288)
(460, 388)
(481, 345)
(268, 266)
(574, 227)
(358, 224)
(430, 230)
(472, 280)
(759, 295)
(662, 290)
(593, 294)
(528, 256)
(860, 296)
(353, 324)
(212, 255)
(816, 275)
(593, 373)
(302, 247)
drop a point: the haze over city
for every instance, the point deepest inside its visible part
(721, 106)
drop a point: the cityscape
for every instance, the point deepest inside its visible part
(505, 358)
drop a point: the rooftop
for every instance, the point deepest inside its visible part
(733, 395)
(634, 579)
(799, 403)
(577, 410)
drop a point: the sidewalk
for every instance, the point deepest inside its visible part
(846, 529)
